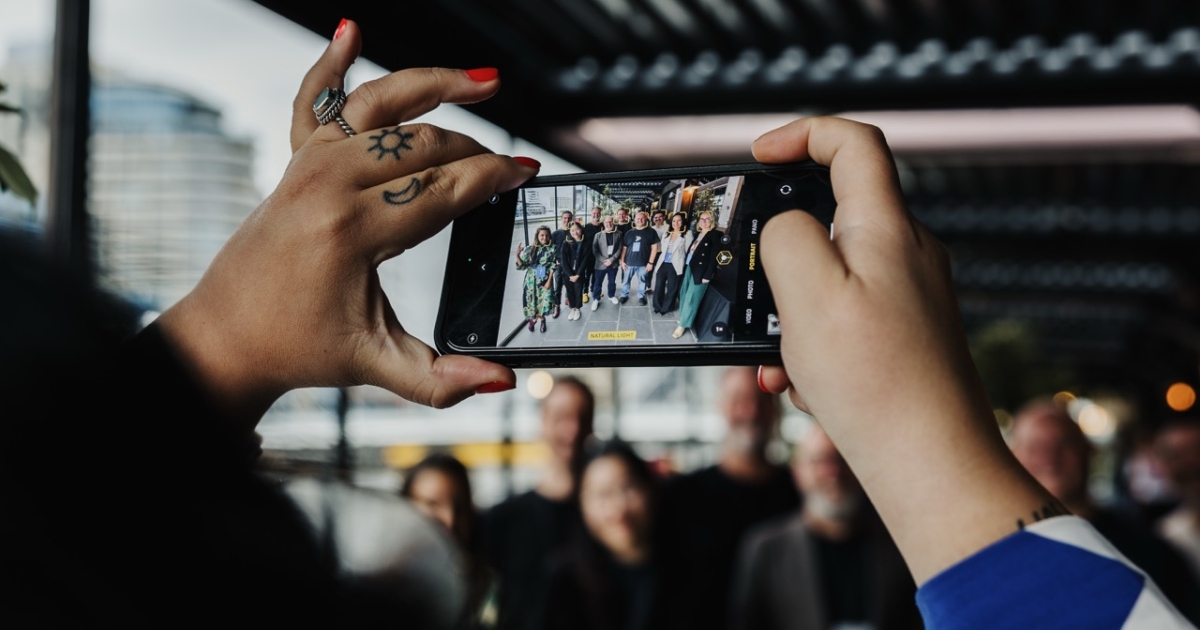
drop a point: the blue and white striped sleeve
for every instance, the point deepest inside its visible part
(1056, 573)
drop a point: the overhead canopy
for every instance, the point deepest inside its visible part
(1081, 223)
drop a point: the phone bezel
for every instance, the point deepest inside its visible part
(747, 353)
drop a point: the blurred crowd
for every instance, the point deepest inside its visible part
(604, 540)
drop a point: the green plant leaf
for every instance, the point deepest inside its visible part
(13, 177)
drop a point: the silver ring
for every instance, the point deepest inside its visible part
(328, 106)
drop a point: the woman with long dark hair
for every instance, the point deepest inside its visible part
(675, 244)
(574, 260)
(440, 488)
(539, 261)
(608, 578)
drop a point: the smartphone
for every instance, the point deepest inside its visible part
(533, 281)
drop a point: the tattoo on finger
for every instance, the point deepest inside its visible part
(405, 195)
(390, 141)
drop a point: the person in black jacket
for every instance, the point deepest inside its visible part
(701, 267)
(574, 261)
(590, 230)
(565, 221)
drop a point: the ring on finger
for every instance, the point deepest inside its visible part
(328, 106)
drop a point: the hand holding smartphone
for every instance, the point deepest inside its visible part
(691, 291)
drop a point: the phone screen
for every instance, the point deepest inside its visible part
(592, 265)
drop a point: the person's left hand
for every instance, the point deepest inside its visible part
(294, 299)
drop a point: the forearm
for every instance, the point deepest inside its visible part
(228, 371)
(943, 493)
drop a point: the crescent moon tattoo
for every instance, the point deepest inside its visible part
(401, 197)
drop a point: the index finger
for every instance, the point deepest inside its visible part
(329, 71)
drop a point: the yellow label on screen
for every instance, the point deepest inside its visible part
(612, 335)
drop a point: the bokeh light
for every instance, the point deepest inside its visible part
(1096, 422)
(539, 384)
(1064, 398)
(1181, 396)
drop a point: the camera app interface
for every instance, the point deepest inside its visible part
(643, 262)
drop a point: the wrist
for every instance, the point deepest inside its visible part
(223, 367)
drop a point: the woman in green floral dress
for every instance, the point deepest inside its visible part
(539, 262)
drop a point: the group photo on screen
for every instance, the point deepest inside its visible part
(622, 263)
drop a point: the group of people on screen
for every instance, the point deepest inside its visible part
(581, 263)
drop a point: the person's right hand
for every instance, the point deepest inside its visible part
(873, 346)
(294, 299)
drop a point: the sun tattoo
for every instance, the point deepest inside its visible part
(399, 140)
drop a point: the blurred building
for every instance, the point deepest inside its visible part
(168, 188)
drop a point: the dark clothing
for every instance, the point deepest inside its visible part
(560, 277)
(1143, 547)
(128, 501)
(623, 228)
(558, 236)
(598, 282)
(575, 257)
(704, 516)
(589, 237)
(637, 246)
(702, 258)
(597, 593)
(789, 579)
(575, 260)
(668, 289)
(590, 231)
(525, 534)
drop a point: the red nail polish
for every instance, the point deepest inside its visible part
(492, 388)
(527, 161)
(341, 28)
(483, 75)
(760, 381)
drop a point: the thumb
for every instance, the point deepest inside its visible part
(420, 375)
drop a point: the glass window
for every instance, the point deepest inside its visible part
(26, 40)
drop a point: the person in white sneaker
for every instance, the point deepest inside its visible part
(574, 259)
(606, 254)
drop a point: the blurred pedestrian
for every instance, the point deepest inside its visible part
(608, 578)
(1178, 447)
(1052, 447)
(526, 531)
(706, 513)
(829, 565)
(440, 488)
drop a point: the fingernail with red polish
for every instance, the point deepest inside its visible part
(483, 75)
(492, 388)
(527, 161)
(760, 381)
(340, 29)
